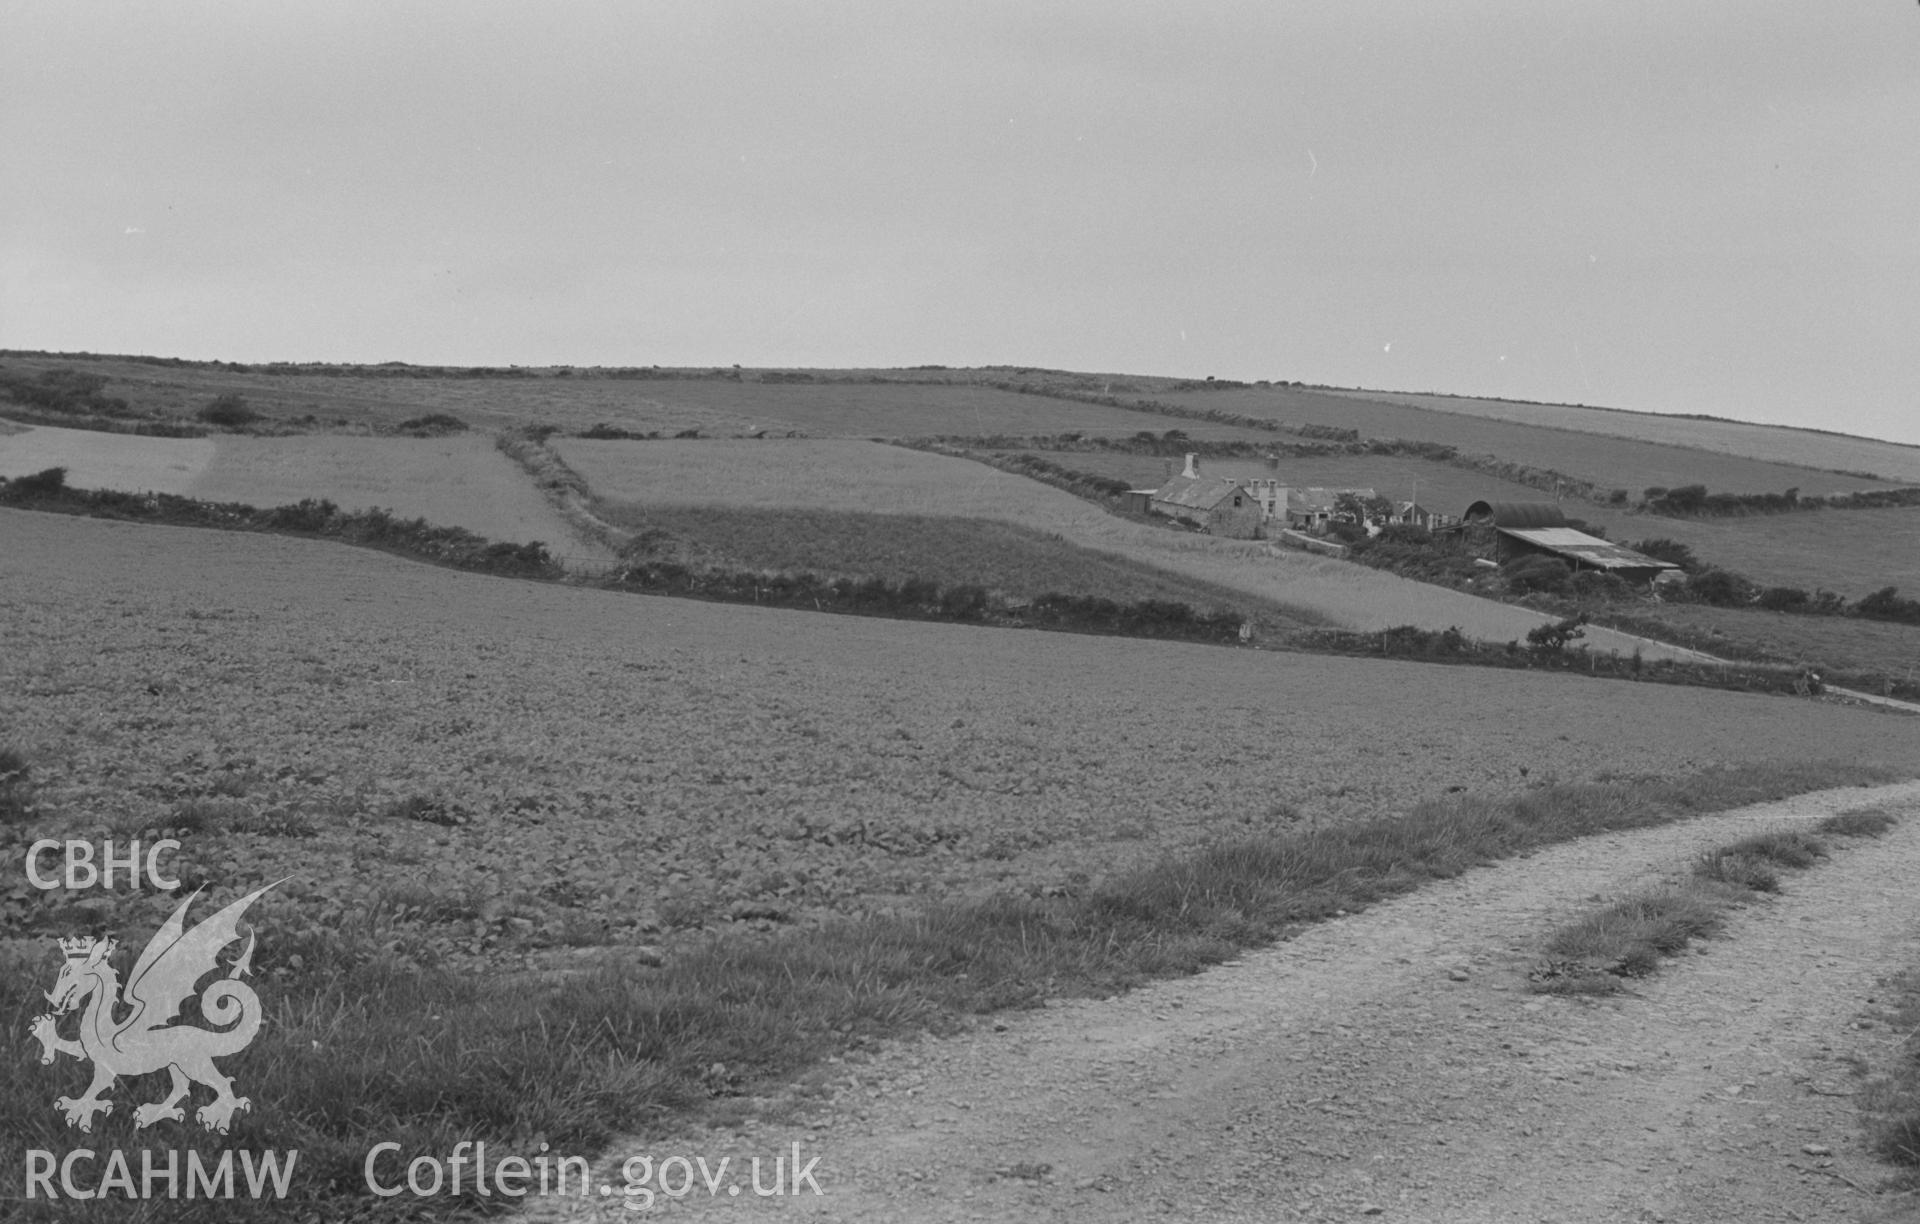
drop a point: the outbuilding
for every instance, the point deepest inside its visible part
(1506, 530)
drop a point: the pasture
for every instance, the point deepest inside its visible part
(1854, 552)
(459, 481)
(1834, 642)
(1771, 443)
(573, 402)
(993, 554)
(1610, 462)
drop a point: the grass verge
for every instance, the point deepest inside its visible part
(1890, 1104)
(356, 1052)
(1628, 939)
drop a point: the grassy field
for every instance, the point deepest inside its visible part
(1854, 552)
(716, 407)
(996, 555)
(1829, 641)
(459, 481)
(1771, 443)
(1608, 461)
(109, 461)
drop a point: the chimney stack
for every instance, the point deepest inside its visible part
(1192, 471)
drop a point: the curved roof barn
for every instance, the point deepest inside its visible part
(1541, 527)
(1522, 516)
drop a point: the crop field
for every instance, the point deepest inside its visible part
(1772, 443)
(459, 481)
(873, 478)
(713, 406)
(1854, 552)
(614, 768)
(1611, 462)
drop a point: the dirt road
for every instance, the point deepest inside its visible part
(1393, 1065)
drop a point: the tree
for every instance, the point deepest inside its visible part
(1553, 638)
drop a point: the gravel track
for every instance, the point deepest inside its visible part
(1351, 1074)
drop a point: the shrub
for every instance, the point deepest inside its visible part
(1784, 599)
(45, 483)
(1600, 585)
(1537, 573)
(434, 424)
(1553, 638)
(229, 411)
(1720, 588)
(1885, 604)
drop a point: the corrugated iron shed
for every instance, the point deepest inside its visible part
(1585, 549)
(1521, 516)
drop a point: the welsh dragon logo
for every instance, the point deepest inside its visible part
(175, 959)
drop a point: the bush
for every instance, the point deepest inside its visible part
(229, 411)
(1784, 599)
(45, 483)
(1537, 573)
(1600, 585)
(1720, 588)
(434, 424)
(1553, 638)
(1885, 604)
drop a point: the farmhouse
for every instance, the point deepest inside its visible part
(1513, 529)
(1223, 506)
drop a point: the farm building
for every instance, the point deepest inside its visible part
(1313, 509)
(1419, 516)
(1223, 506)
(1506, 530)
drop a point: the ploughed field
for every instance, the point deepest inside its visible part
(487, 767)
(458, 481)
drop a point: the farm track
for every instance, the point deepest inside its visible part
(1392, 1064)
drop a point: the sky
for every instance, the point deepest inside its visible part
(1708, 207)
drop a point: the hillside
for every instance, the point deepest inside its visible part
(1773, 443)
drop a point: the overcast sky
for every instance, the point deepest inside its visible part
(1699, 207)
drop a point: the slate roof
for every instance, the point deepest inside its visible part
(1198, 492)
